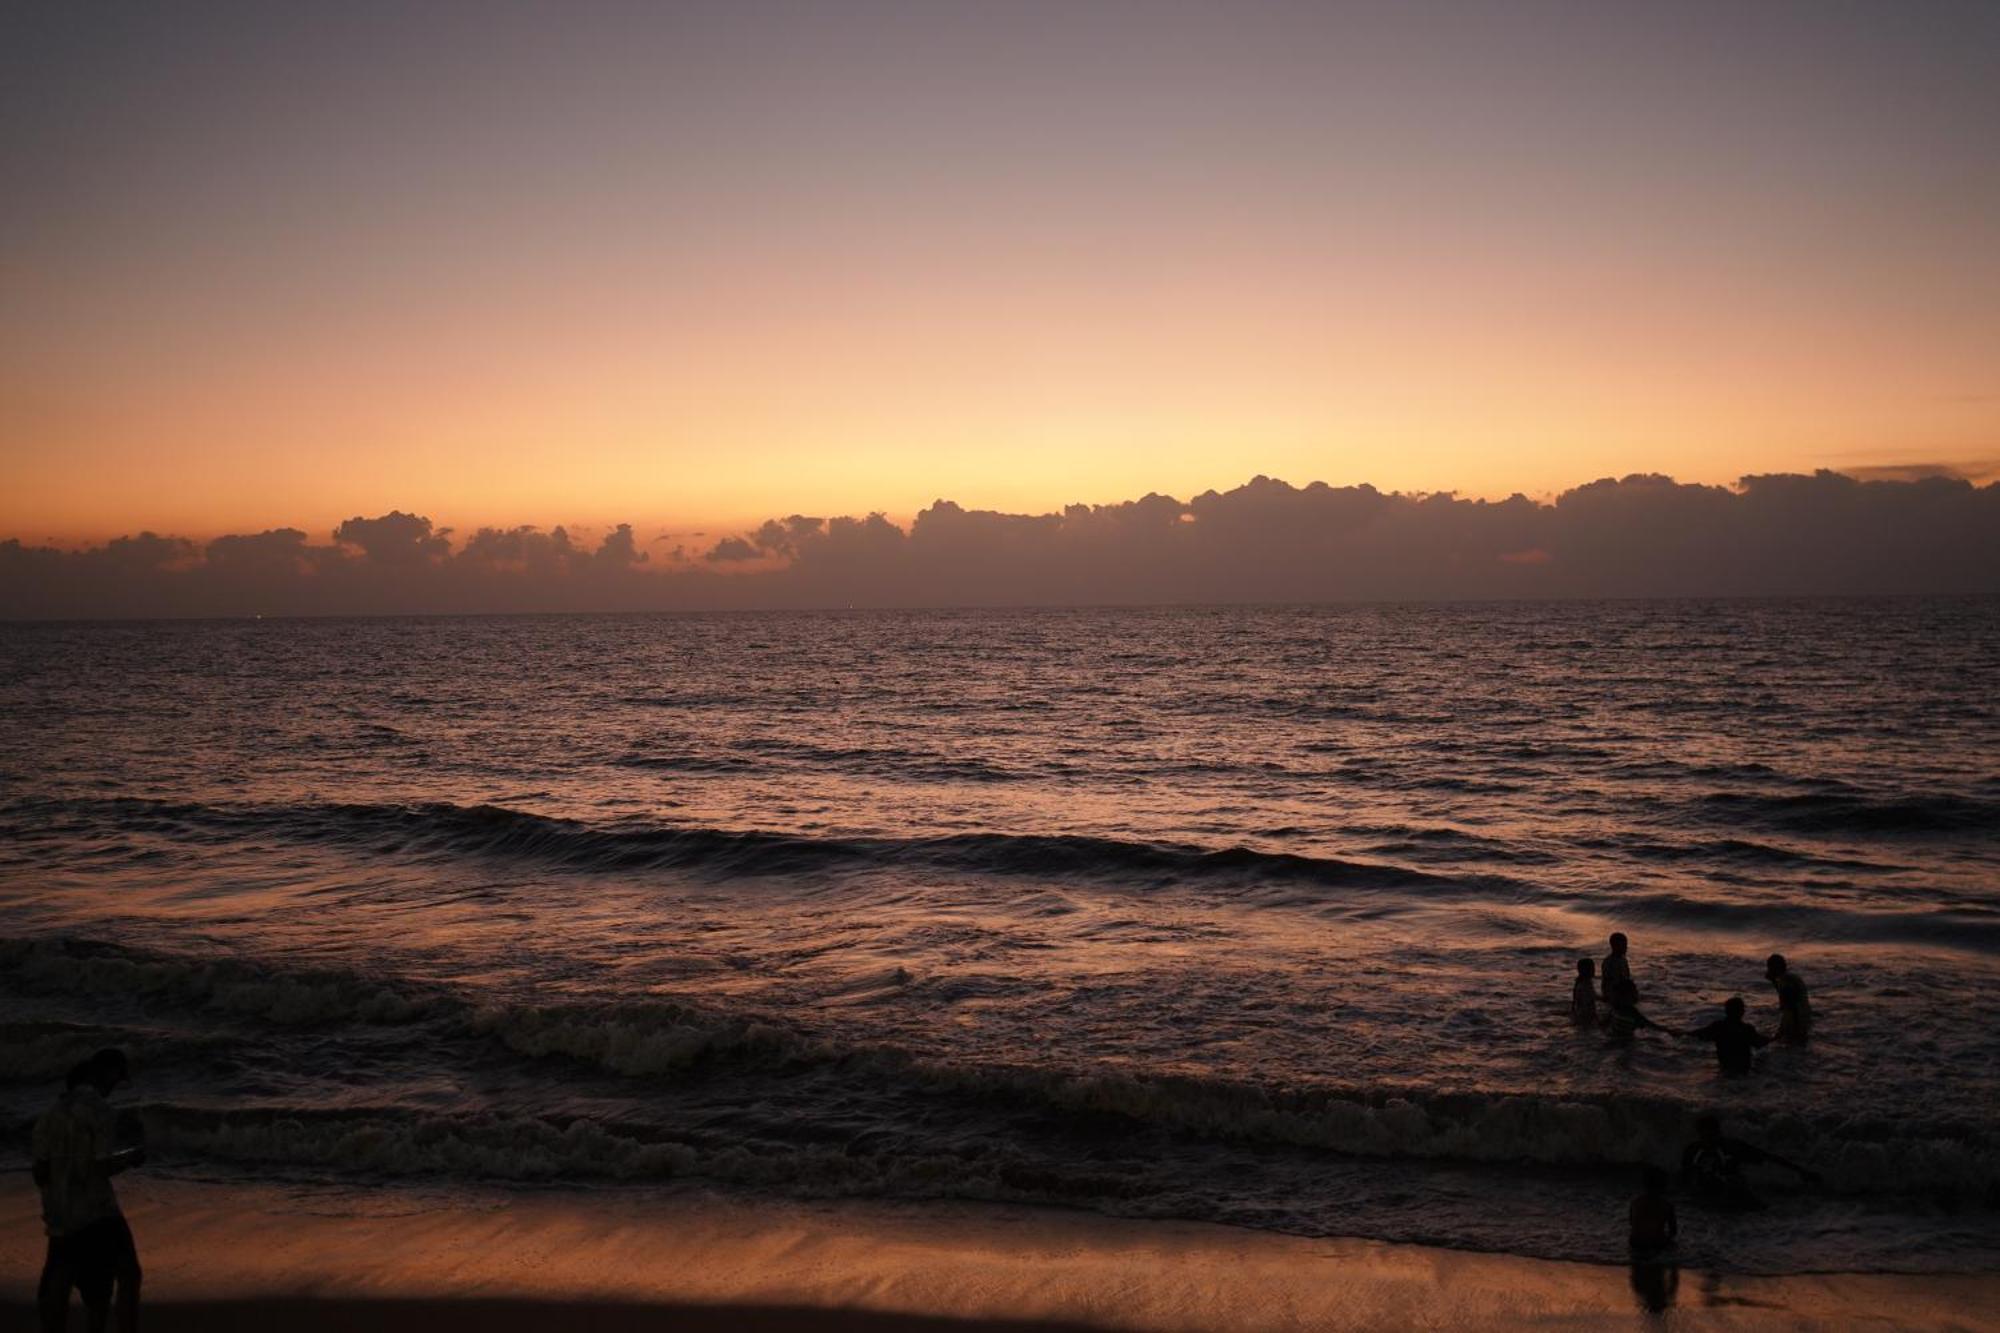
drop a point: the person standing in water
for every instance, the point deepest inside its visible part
(1617, 970)
(1583, 996)
(90, 1246)
(1734, 1039)
(1794, 1010)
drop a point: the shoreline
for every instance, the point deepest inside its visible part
(227, 1255)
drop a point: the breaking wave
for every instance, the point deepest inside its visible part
(670, 1048)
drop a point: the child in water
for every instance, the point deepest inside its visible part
(1652, 1220)
(1583, 999)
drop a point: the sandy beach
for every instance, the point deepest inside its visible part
(225, 1256)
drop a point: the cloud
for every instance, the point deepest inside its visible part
(782, 538)
(519, 550)
(141, 554)
(277, 552)
(395, 538)
(1975, 470)
(1642, 535)
(620, 550)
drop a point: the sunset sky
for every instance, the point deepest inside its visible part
(700, 264)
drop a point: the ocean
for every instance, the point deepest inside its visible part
(1260, 916)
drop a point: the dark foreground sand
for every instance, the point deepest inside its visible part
(324, 1315)
(225, 1257)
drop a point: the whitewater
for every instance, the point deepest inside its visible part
(1263, 916)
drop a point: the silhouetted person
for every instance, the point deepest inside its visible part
(1713, 1165)
(1626, 1020)
(1734, 1039)
(1617, 968)
(90, 1247)
(1794, 1010)
(1652, 1226)
(1652, 1219)
(1656, 1283)
(1583, 996)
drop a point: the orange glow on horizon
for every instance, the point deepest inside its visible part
(694, 277)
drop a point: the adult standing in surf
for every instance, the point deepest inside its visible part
(1616, 973)
(1794, 1010)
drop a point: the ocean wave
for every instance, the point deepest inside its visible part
(815, 1083)
(227, 985)
(391, 1142)
(1849, 812)
(1726, 852)
(42, 1051)
(841, 1156)
(443, 829)
(758, 754)
(1974, 928)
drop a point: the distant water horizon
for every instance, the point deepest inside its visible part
(1257, 914)
(1523, 600)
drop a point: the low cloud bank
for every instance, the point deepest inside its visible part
(1265, 541)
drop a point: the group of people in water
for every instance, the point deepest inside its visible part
(1713, 1166)
(1735, 1040)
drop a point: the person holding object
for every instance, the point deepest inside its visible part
(90, 1247)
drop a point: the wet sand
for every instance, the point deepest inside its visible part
(223, 1256)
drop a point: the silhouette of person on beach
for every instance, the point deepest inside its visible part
(1657, 1284)
(1617, 969)
(1794, 1010)
(1734, 1039)
(75, 1156)
(1713, 1165)
(1583, 996)
(1653, 1224)
(1626, 1020)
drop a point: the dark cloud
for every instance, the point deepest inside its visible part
(395, 538)
(145, 553)
(280, 551)
(1976, 470)
(780, 538)
(522, 550)
(619, 550)
(785, 536)
(1636, 536)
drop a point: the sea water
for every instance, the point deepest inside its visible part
(1260, 916)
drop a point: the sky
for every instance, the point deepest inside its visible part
(691, 266)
